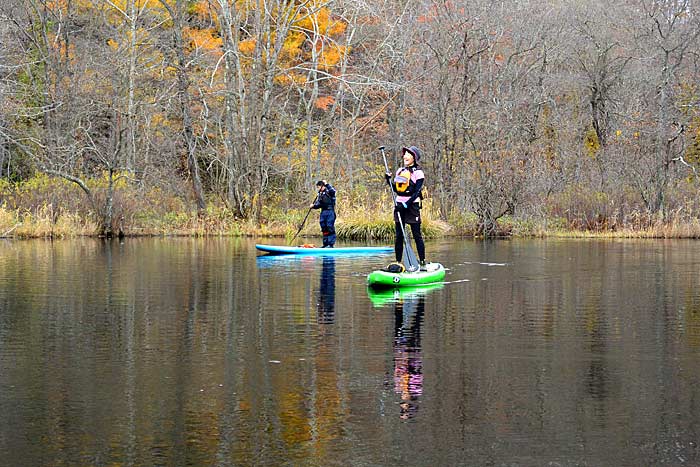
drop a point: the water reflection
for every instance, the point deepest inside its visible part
(408, 306)
(326, 291)
(192, 352)
(387, 296)
(278, 261)
(408, 358)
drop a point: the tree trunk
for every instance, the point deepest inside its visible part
(183, 87)
(106, 229)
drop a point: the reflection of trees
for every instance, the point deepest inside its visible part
(117, 340)
(298, 403)
(408, 359)
(597, 376)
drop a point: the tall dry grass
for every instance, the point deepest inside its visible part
(53, 208)
(45, 222)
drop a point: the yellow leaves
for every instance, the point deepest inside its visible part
(292, 46)
(57, 5)
(120, 180)
(158, 124)
(331, 57)
(125, 5)
(688, 95)
(202, 10)
(291, 78)
(247, 46)
(283, 80)
(75, 5)
(337, 28)
(692, 153)
(120, 13)
(205, 39)
(591, 142)
(157, 120)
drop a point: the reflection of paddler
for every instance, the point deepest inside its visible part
(326, 291)
(408, 360)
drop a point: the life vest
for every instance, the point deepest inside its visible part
(405, 186)
(326, 200)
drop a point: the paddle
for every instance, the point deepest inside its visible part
(304, 221)
(412, 263)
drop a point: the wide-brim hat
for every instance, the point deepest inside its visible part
(414, 151)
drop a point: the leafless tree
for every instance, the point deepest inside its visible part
(666, 37)
(177, 13)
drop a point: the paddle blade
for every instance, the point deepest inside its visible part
(411, 262)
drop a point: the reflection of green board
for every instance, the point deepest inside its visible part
(435, 273)
(384, 296)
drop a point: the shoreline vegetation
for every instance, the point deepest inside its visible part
(46, 224)
(50, 208)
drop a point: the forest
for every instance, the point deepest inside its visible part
(125, 117)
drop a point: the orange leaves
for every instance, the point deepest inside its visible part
(321, 27)
(310, 43)
(247, 46)
(59, 47)
(205, 39)
(333, 56)
(323, 22)
(324, 102)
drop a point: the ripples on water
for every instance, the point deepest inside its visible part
(201, 352)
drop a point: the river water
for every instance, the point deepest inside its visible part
(201, 352)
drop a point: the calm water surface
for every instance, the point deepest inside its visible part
(200, 352)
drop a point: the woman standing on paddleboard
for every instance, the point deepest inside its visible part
(407, 185)
(326, 203)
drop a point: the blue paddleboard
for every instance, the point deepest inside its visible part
(299, 250)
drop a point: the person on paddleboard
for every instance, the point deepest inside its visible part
(325, 201)
(407, 184)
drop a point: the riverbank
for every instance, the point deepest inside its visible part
(48, 222)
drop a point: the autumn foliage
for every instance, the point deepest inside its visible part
(538, 110)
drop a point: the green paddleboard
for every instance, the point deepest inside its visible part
(435, 272)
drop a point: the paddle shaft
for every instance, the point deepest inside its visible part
(304, 221)
(410, 255)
